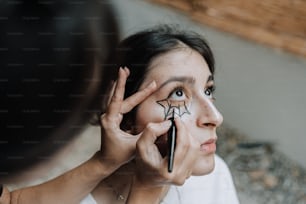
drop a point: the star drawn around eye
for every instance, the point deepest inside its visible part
(178, 108)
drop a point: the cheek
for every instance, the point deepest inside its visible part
(189, 118)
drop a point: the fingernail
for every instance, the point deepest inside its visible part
(1, 189)
(127, 70)
(152, 84)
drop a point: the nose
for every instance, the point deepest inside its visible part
(209, 116)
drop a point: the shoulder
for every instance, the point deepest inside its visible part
(221, 168)
(219, 177)
(88, 200)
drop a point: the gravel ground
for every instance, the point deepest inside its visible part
(261, 173)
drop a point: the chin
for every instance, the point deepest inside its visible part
(204, 166)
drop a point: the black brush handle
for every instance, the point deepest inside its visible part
(171, 144)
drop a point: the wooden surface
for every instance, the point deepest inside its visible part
(277, 23)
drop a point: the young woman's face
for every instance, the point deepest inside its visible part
(185, 87)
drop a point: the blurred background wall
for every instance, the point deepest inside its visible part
(277, 23)
(261, 77)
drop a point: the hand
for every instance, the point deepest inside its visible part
(5, 196)
(153, 168)
(117, 146)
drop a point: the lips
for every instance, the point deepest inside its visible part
(209, 146)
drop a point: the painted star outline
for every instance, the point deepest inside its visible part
(179, 109)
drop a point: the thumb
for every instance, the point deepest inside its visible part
(154, 130)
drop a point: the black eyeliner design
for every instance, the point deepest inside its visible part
(172, 110)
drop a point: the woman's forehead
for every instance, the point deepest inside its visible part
(178, 62)
(177, 54)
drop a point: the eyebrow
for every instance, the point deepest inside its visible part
(188, 80)
(210, 78)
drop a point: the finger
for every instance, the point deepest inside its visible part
(138, 97)
(181, 149)
(186, 152)
(153, 131)
(5, 197)
(111, 91)
(146, 146)
(117, 98)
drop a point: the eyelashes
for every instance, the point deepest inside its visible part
(179, 93)
(209, 91)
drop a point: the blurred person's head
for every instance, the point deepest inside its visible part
(51, 54)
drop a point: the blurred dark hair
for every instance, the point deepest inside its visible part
(138, 50)
(51, 55)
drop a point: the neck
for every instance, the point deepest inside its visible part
(116, 187)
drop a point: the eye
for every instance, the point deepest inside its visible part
(177, 94)
(209, 91)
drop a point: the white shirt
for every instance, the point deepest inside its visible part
(214, 188)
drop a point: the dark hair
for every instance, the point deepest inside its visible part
(50, 61)
(138, 50)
